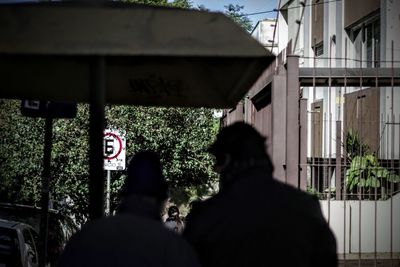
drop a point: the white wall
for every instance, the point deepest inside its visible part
(390, 20)
(264, 33)
(293, 15)
(282, 32)
(347, 233)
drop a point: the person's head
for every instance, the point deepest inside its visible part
(145, 177)
(173, 211)
(237, 146)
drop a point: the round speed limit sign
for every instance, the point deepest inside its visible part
(114, 150)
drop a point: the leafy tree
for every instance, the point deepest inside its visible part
(234, 12)
(175, 3)
(20, 155)
(179, 135)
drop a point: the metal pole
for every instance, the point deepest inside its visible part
(338, 178)
(108, 193)
(375, 188)
(329, 171)
(44, 214)
(97, 102)
(345, 160)
(392, 158)
(359, 189)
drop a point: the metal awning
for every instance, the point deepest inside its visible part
(153, 55)
(119, 53)
(372, 77)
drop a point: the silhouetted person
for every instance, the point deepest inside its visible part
(135, 236)
(255, 220)
(174, 221)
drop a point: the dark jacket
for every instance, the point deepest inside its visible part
(134, 237)
(258, 221)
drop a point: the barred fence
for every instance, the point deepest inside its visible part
(335, 133)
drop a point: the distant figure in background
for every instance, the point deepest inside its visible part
(135, 236)
(280, 225)
(174, 221)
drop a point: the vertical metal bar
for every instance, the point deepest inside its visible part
(318, 164)
(398, 171)
(345, 160)
(375, 188)
(44, 213)
(392, 157)
(359, 226)
(303, 144)
(387, 152)
(338, 177)
(97, 102)
(329, 131)
(324, 159)
(329, 168)
(108, 192)
(375, 227)
(313, 155)
(361, 140)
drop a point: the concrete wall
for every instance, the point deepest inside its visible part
(264, 33)
(390, 25)
(347, 232)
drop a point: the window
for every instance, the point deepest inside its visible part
(319, 49)
(372, 42)
(366, 38)
(317, 23)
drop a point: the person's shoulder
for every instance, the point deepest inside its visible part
(301, 199)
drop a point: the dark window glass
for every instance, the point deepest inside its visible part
(319, 49)
(372, 42)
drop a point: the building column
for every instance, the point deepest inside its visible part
(292, 121)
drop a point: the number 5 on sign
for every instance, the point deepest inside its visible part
(114, 146)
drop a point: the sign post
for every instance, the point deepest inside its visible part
(49, 110)
(114, 157)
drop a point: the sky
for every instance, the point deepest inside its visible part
(250, 6)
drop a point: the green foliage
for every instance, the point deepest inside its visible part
(175, 3)
(364, 171)
(353, 145)
(179, 135)
(234, 12)
(19, 176)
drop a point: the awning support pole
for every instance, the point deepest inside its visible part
(96, 128)
(44, 212)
